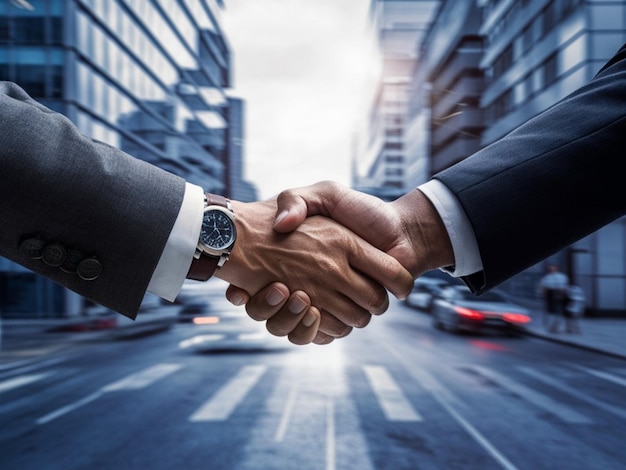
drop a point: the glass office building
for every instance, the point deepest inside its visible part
(146, 76)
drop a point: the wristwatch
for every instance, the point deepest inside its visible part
(217, 237)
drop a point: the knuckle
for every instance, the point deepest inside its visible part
(378, 300)
(255, 314)
(277, 329)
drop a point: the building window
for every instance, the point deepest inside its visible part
(550, 70)
(394, 172)
(503, 62)
(29, 30)
(501, 106)
(397, 132)
(393, 146)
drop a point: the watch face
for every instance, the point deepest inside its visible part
(218, 230)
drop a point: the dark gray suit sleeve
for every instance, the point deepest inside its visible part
(61, 187)
(554, 180)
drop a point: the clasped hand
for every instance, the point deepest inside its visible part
(318, 278)
(339, 280)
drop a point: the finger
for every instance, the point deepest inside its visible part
(283, 322)
(331, 326)
(382, 268)
(322, 338)
(267, 302)
(307, 329)
(237, 296)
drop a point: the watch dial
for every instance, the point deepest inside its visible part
(217, 230)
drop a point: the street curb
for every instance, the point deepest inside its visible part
(574, 344)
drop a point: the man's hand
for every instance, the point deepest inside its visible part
(344, 277)
(408, 229)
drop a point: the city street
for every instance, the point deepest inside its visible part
(396, 395)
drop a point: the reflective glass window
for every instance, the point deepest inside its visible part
(29, 30)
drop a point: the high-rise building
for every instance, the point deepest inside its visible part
(146, 76)
(380, 157)
(448, 85)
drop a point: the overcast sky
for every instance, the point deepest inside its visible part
(300, 66)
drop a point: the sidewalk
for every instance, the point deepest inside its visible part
(22, 340)
(603, 335)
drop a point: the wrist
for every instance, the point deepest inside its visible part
(426, 232)
(217, 237)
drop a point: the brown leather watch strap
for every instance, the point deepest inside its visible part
(203, 268)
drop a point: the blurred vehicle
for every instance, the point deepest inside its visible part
(195, 309)
(456, 309)
(424, 291)
(219, 326)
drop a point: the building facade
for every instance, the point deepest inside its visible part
(485, 67)
(146, 76)
(380, 157)
(537, 52)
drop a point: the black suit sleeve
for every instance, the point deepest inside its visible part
(552, 181)
(74, 194)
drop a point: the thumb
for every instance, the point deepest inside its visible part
(295, 205)
(291, 212)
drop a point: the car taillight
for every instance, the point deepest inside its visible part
(518, 318)
(469, 313)
(206, 320)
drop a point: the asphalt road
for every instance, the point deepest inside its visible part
(396, 395)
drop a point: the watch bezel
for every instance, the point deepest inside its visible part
(226, 250)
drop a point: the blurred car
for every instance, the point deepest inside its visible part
(424, 291)
(455, 308)
(220, 326)
(192, 310)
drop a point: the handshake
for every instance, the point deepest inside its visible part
(317, 261)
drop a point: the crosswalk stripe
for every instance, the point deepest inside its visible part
(391, 398)
(452, 405)
(603, 375)
(143, 378)
(575, 393)
(542, 401)
(135, 381)
(16, 382)
(223, 403)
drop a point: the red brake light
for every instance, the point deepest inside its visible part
(469, 313)
(519, 318)
(205, 320)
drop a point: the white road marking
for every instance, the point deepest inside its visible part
(544, 402)
(143, 378)
(575, 393)
(603, 375)
(330, 435)
(447, 400)
(16, 382)
(287, 412)
(226, 399)
(391, 398)
(28, 365)
(66, 409)
(135, 381)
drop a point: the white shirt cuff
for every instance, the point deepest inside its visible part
(172, 269)
(466, 254)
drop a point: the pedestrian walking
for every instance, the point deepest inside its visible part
(553, 287)
(574, 308)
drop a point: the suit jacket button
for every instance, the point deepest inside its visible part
(32, 247)
(89, 269)
(54, 254)
(71, 261)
